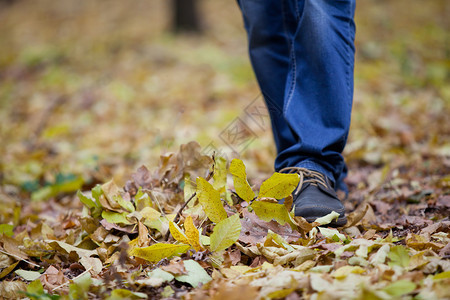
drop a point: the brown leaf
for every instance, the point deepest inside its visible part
(142, 177)
(52, 277)
(354, 217)
(126, 229)
(288, 202)
(254, 230)
(143, 238)
(175, 267)
(445, 251)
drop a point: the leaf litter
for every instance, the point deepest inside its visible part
(145, 240)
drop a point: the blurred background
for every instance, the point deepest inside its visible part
(92, 89)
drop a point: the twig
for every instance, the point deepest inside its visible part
(177, 216)
(71, 280)
(20, 258)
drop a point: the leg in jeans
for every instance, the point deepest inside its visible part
(302, 53)
(269, 37)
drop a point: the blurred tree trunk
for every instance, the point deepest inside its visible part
(185, 16)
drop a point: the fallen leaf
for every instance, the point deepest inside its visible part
(28, 275)
(156, 252)
(344, 271)
(267, 211)
(225, 233)
(399, 288)
(177, 233)
(119, 294)
(243, 189)
(192, 234)
(279, 186)
(196, 274)
(209, 198)
(328, 218)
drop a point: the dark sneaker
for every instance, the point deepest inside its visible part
(315, 196)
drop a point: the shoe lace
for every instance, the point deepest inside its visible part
(306, 176)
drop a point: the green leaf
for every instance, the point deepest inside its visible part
(167, 292)
(6, 229)
(209, 198)
(399, 256)
(88, 202)
(226, 233)
(243, 189)
(80, 287)
(156, 252)
(125, 204)
(399, 288)
(116, 218)
(35, 287)
(28, 275)
(279, 186)
(96, 193)
(196, 274)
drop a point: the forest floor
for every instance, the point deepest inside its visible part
(90, 91)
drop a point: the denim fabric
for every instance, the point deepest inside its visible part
(302, 52)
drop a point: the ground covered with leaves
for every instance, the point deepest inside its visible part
(103, 194)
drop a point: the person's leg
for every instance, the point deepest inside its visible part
(302, 54)
(270, 27)
(319, 90)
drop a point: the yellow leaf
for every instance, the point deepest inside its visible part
(156, 252)
(276, 240)
(243, 189)
(209, 198)
(279, 186)
(150, 213)
(343, 272)
(226, 233)
(267, 211)
(220, 174)
(8, 269)
(177, 233)
(192, 234)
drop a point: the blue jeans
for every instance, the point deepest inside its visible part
(302, 52)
